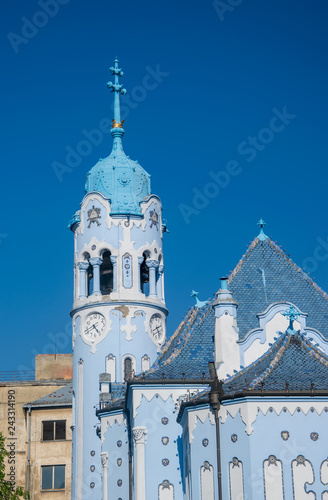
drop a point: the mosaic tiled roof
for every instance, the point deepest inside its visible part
(292, 363)
(117, 391)
(60, 397)
(264, 275)
(189, 350)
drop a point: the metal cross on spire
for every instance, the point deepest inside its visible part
(262, 236)
(117, 89)
(292, 314)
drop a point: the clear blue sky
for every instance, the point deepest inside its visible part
(225, 72)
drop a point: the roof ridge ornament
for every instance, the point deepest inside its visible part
(262, 236)
(117, 124)
(199, 303)
(292, 314)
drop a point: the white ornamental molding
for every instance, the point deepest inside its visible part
(110, 421)
(199, 415)
(94, 247)
(104, 459)
(105, 210)
(149, 394)
(249, 410)
(128, 328)
(139, 435)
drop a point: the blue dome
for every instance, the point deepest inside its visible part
(120, 179)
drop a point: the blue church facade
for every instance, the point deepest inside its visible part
(234, 405)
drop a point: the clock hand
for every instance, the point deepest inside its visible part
(90, 327)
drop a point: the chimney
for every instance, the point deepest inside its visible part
(227, 356)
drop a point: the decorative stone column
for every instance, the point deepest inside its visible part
(96, 263)
(83, 267)
(139, 435)
(113, 260)
(160, 282)
(104, 465)
(140, 261)
(152, 266)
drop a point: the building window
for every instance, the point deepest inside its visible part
(53, 430)
(106, 274)
(127, 369)
(53, 477)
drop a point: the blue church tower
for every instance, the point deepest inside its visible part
(234, 406)
(119, 312)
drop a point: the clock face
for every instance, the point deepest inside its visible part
(156, 326)
(94, 326)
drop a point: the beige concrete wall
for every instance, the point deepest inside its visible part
(13, 425)
(53, 366)
(50, 452)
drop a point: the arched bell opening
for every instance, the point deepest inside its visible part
(106, 274)
(144, 275)
(89, 280)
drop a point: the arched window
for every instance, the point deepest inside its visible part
(127, 369)
(144, 276)
(90, 280)
(106, 274)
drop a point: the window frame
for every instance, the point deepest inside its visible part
(53, 467)
(54, 431)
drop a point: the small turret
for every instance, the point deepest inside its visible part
(227, 357)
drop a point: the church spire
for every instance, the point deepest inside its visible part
(117, 125)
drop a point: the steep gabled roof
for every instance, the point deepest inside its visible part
(264, 275)
(189, 350)
(292, 363)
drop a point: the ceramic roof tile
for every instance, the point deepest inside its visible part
(264, 275)
(292, 364)
(189, 357)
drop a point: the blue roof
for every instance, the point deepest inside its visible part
(292, 363)
(264, 275)
(60, 397)
(120, 179)
(189, 350)
(117, 391)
